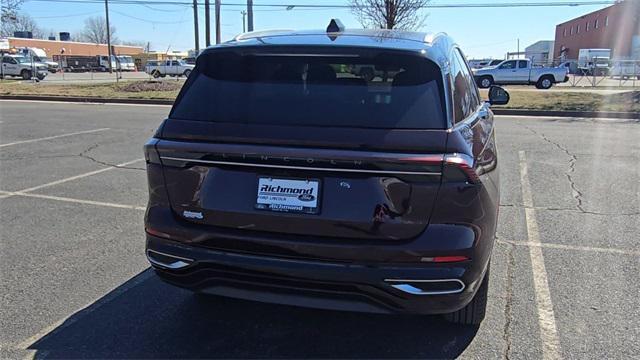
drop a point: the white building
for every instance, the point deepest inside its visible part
(541, 52)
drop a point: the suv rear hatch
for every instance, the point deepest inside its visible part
(298, 141)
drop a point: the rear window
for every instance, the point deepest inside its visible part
(378, 90)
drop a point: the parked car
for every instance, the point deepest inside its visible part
(571, 66)
(278, 178)
(126, 63)
(479, 64)
(594, 61)
(24, 67)
(520, 72)
(168, 67)
(625, 69)
(40, 56)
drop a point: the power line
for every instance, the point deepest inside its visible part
(291, 6)
(154, 22)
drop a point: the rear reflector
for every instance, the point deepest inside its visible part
(157, 233)
(444, 259)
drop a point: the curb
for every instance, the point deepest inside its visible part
(497, 111)
(87, 100)
(575, 114)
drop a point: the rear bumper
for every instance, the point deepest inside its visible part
(348, 286)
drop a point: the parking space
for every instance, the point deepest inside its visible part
(76, 282)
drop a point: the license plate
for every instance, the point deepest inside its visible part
(288, 195)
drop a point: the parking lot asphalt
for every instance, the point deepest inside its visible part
(564, 278)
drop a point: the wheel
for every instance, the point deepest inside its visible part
(187, 73)
(367, 74)
(26, 74)
(474, 312)
(638, 77)
(155, 74)
(485, 82)
(545, 83)
(40, 76)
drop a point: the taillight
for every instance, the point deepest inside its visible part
(150, 153)
(459, 167)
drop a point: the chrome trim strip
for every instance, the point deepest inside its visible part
(406, 286)
(302, 167)
(174, 265)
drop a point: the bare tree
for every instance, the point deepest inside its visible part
(95, 31)
(19, 22)
(390, 14)
(140, 43)
(9, 9)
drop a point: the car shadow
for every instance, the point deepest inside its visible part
(146, 318)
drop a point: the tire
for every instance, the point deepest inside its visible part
(474, 312)
(485, 82)
(545, 83)
(26, 74)
(186, 73)
(155, 74)
(40, 77)
(367, 74)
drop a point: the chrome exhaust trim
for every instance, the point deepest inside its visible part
(412, 286)
(177, 262)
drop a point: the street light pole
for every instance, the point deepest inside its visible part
(244, 20)
(106, 10)
(195, 25)
(218, 25)
(207, 23)
(250, 15)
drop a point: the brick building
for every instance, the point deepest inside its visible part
(616, 27)
(54, 48)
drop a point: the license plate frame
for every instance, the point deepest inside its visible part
(286, 199)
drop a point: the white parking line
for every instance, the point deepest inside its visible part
(53, 137)
(90, 173)
(71, 200)
(83, 103)
(572, 247)
(546, 316)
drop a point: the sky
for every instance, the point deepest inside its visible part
(481, 32)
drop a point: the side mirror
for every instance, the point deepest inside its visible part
(498, 96)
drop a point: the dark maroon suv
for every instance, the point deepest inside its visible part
(283, 175)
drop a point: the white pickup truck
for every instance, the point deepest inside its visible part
(520, 72)
(16, 65)
(168, 67)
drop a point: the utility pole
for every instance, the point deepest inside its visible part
(518, 56)
(244, 20)
(250, 14)
(207, 24)
(195, 25)
(106, 10)
(218, 25)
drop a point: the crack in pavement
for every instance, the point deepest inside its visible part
(544, 208)
(575, 192)
(84, 154)
(508, 315)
